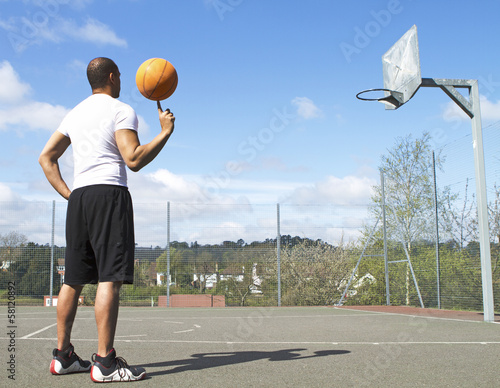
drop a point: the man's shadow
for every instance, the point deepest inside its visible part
(213, 360)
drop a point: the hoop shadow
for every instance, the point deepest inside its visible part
(213, 360)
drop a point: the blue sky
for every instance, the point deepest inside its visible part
(265, 106)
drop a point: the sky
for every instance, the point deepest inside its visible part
(265, 106)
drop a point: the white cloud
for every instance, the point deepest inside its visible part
(59, 30)
(163, 185)
(306, 108)
(17, 111)
(490, 110)
(94, 31)
(6, 194)
(349, 190)
(245, 209)
(203, 191)
(32, 115)
(13, 89)
(30, 218)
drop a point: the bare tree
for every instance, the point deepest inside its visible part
(312, 273)
(459, 223)
(10, 246)
(409, 192)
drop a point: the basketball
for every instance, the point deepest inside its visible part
(156, 79)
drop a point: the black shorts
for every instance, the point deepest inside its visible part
(99, 236)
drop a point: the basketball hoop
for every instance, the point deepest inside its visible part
(402, 79)
(390, 97)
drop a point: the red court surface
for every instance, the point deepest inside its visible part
(423, 312)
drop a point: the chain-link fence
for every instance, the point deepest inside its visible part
(234, 251)
(270, 255)
(192, 249)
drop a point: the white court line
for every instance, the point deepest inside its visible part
(355, 313)
(256, 316)
(363, 312)
(130, 319)
(38, 331)
(188, 330)
(365, 343)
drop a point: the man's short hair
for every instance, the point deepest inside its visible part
(98, 71)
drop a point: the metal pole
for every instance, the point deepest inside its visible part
(384, 226)
(482, 205)
(168, 254)
(437, 230)
(413, 274)
(52, 252)
(473, 110)
(278, 252)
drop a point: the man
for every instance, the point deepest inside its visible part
(99, 224)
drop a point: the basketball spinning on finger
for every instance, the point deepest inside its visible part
(156, 79)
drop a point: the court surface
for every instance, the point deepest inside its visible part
(268, 347)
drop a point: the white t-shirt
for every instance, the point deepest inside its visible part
(91, 127)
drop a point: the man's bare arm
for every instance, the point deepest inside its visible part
(53, 150)
(135, 155)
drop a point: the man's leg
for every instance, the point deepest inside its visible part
(107, 367)
(67, 303)
(65, 360)
(107, 301)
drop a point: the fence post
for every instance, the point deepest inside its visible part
(52, 252)
(168, 254)
(278, 252)
(384, 227)
(437, 230)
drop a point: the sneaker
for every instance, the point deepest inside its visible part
(68, 362)
(112, 368)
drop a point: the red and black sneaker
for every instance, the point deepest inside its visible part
(67, 361)
(111, 368)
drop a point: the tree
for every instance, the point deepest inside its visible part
(175, 262)
(312, 273)
(203, 266)
(33, 270)
(494, 215)
(239, 285)
(13, 267)
(11, 246)
(408, 187)
(409, 193)
(142, 276)
(459, 223)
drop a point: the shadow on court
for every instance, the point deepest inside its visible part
(213, 360)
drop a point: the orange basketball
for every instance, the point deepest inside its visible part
(156, 79)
